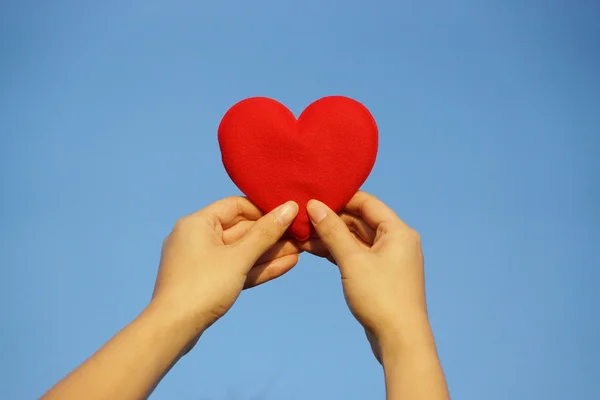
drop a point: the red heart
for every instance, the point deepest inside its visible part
(325, 154)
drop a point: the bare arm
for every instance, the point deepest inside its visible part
(411, 365)
(192, 291)
(382, 271)
(132, 363)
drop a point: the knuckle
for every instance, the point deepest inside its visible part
(372, 197)
(267, 231)
(184, 224)
(368, 198)
(236, 201)
(411, 236)
(330, 231)
(230, 199)
(180, 224)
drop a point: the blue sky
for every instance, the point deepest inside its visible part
(489, 117)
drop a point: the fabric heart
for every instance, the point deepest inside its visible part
(325, 154)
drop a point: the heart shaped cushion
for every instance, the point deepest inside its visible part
(325, 154)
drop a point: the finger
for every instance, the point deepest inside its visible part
(315, 247)
(267, 231)
(332, 231)
(372, 210)
(280, 249)
(235, 233)
(359, 227)
(270, 270)
(231, 210)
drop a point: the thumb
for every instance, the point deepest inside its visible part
(332, 231)
(265, 232)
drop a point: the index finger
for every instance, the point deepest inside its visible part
(372, 210)
(231, 210)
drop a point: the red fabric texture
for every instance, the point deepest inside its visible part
(325, 154)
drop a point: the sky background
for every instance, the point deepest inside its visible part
(489, 117)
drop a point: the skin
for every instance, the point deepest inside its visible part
(382, 270)
(215, 253)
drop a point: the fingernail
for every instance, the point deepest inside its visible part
(286, 213)
(317, 211)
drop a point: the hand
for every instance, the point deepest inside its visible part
(213, 254)
(381, 265)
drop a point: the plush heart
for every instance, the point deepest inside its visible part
(325, 154)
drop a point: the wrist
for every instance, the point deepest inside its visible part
(410, 361)
(182, 328)
(408, 336)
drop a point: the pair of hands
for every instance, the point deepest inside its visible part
(215, 253)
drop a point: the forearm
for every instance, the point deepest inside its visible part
(411, 364)
(131, 364)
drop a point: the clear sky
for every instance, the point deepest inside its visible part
(489, 117)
